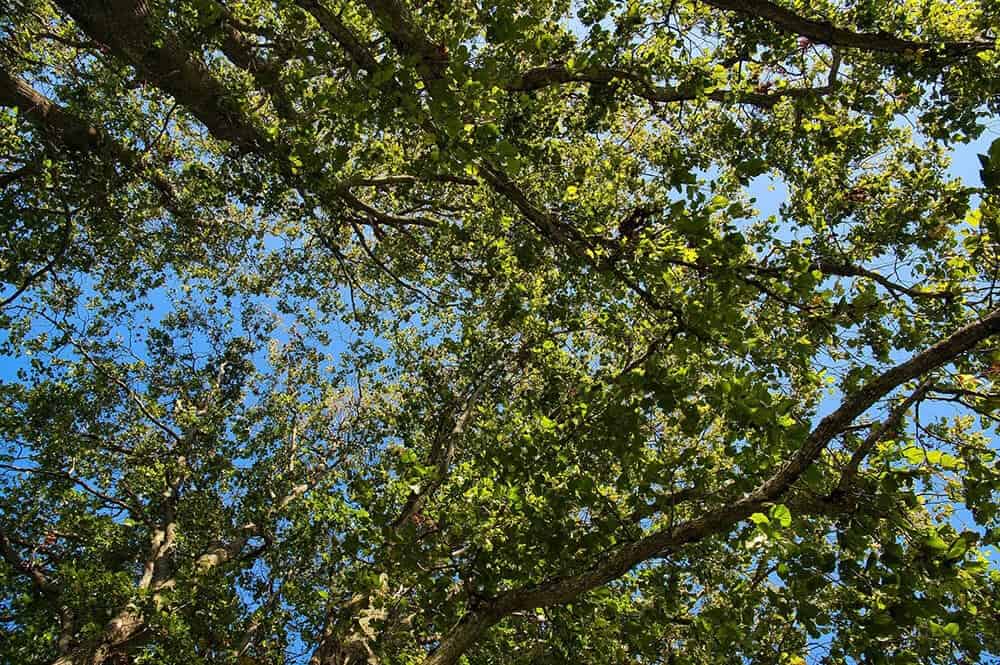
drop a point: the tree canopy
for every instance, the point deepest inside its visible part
(435, 332)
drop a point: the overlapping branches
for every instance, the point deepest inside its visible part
(614, 563)
(130, 31)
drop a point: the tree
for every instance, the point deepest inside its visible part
(439, 332)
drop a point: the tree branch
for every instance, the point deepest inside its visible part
(389, 180)
(441, 457)
(615, 563)
(67, 233)
(239, 51)
(40, 581)
(125, 26)
(75, 134)
(342, 34)
(409, 38)
(56, 124)
(825, 32)
(846, 270)
(877, 434)
(106, 498)
(641, 86)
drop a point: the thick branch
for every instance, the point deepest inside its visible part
(124, 627)
(56, 124)
(66, 129)
(547, 223)
(847, 270)
(617, 562)
(408, 37)
(342, 34)
(240, 51)
(156, 569)
(40, 581)
(377, 215)
(219, 553)
(126, 27)
(825, 32)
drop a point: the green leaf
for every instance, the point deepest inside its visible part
(957, 549)
(990, 162)
(781, 513)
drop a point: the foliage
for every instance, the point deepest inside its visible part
(450, 332)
